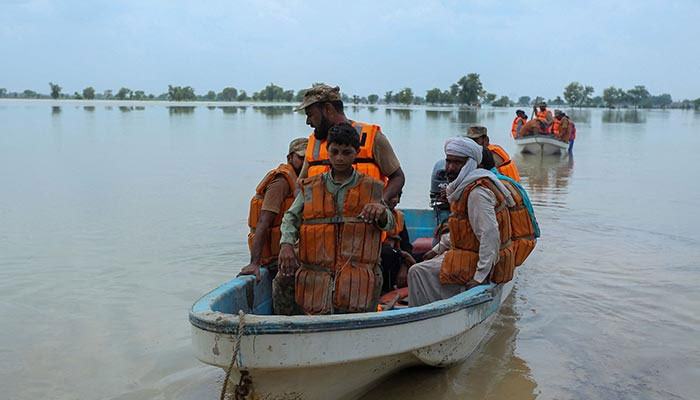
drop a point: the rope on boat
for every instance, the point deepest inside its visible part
(242, 389)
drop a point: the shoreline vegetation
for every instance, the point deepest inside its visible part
(468, 92)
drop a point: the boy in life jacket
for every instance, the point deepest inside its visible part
(273, 196)
(338, 217)
(397, 251)
(478, 249)
(504, 163)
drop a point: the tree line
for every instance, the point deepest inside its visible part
(466, 91)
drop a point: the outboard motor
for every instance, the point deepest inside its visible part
(438, 202)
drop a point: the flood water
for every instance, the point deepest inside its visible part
(116, 217)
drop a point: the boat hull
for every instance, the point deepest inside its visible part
(310, 362)
(541, 144)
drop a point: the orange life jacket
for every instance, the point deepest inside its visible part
(558, 130)
(522, 231)
(514, 128)
(272, 244)
(338, 253)
(508, 167)
(317, 153)
(459, 264)
(393, 237)
(542, 116)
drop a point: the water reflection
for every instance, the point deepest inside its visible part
(467, 116)
(55, 110)
(126, 108)
(437, 114)
(274, 111)
(108, 108)
(140, 108)
(181, 110)
(89, 108)
(211, 107)
(402, 113)
(579, 115)
(546, 178)
(372, 109)
(626, 116)
(494, 371)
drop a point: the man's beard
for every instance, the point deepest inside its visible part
(321, 132)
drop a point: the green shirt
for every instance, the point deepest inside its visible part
(292, 218)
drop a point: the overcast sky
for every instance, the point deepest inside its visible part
(518, 47)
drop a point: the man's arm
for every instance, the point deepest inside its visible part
(395, 184)
(389, 165)
(291, 221)
(262, 233)
(304, 170)
(517, 128)
(482, 217)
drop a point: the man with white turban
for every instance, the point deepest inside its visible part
(462, 158)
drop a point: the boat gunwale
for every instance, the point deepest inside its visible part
(203, 317)
(540, 139)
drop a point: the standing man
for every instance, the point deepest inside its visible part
(504, 163)
(518, 122)
(544, 116)
(376, 158)
(478, 247)
(338, 217)
(562, 126)
(573, 134)
(273, 196)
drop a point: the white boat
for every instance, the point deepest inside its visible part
(335, 356)
(541, 144)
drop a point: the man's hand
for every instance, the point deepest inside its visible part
(251, 269)
(407, 258)
(402, 276)
(429, 254)
(472, 283)
(372, 213)
(287, 260)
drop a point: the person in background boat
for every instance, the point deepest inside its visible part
(273, 196)
(544, 116)
(338, 217)
(397, 251)
(573, 134)
(504, 163)
(518, 122)
(477, 248)
(376, 157)
(562, 126)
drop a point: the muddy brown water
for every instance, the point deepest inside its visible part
(116, 217)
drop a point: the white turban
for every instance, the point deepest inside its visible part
(464, 147)
(461, 146)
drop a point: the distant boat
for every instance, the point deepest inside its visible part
(541, 144)
(337, 356)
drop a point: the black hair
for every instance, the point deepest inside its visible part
(336, 104)
(343, 134)
(487, 161)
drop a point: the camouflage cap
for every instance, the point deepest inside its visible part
(319, 93)
(476, 131)
(298, 146)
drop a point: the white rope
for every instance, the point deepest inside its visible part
(236, 350)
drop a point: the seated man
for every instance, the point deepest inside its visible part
(562, 126)
(338, 217)
(518, 122)
(397, 251)
(273, 196)
(504, 163)
(477, 248)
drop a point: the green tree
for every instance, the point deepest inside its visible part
(446, 97)
(557, 101)
(123, 93)
(405, 96)
(597, 101)
(211, 95)
(388, 97)
(696, 103)
(524, 100)
(228, 94)
(586, 95)
(77, 96)
(30, 94)
(243, 96)
(489, 98)
(637, 95)
(178, 93)
(504, 101)
(469, 88)
(107, 94)
(373, 98)
(344, 98)
(573, 94)
(661, 101)
(299, 96)
(613, 96)
(454, 91)
(356, 99)
(432, 96)
(3, 92)
(137, 95)
(89, 93)
(55, 90)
